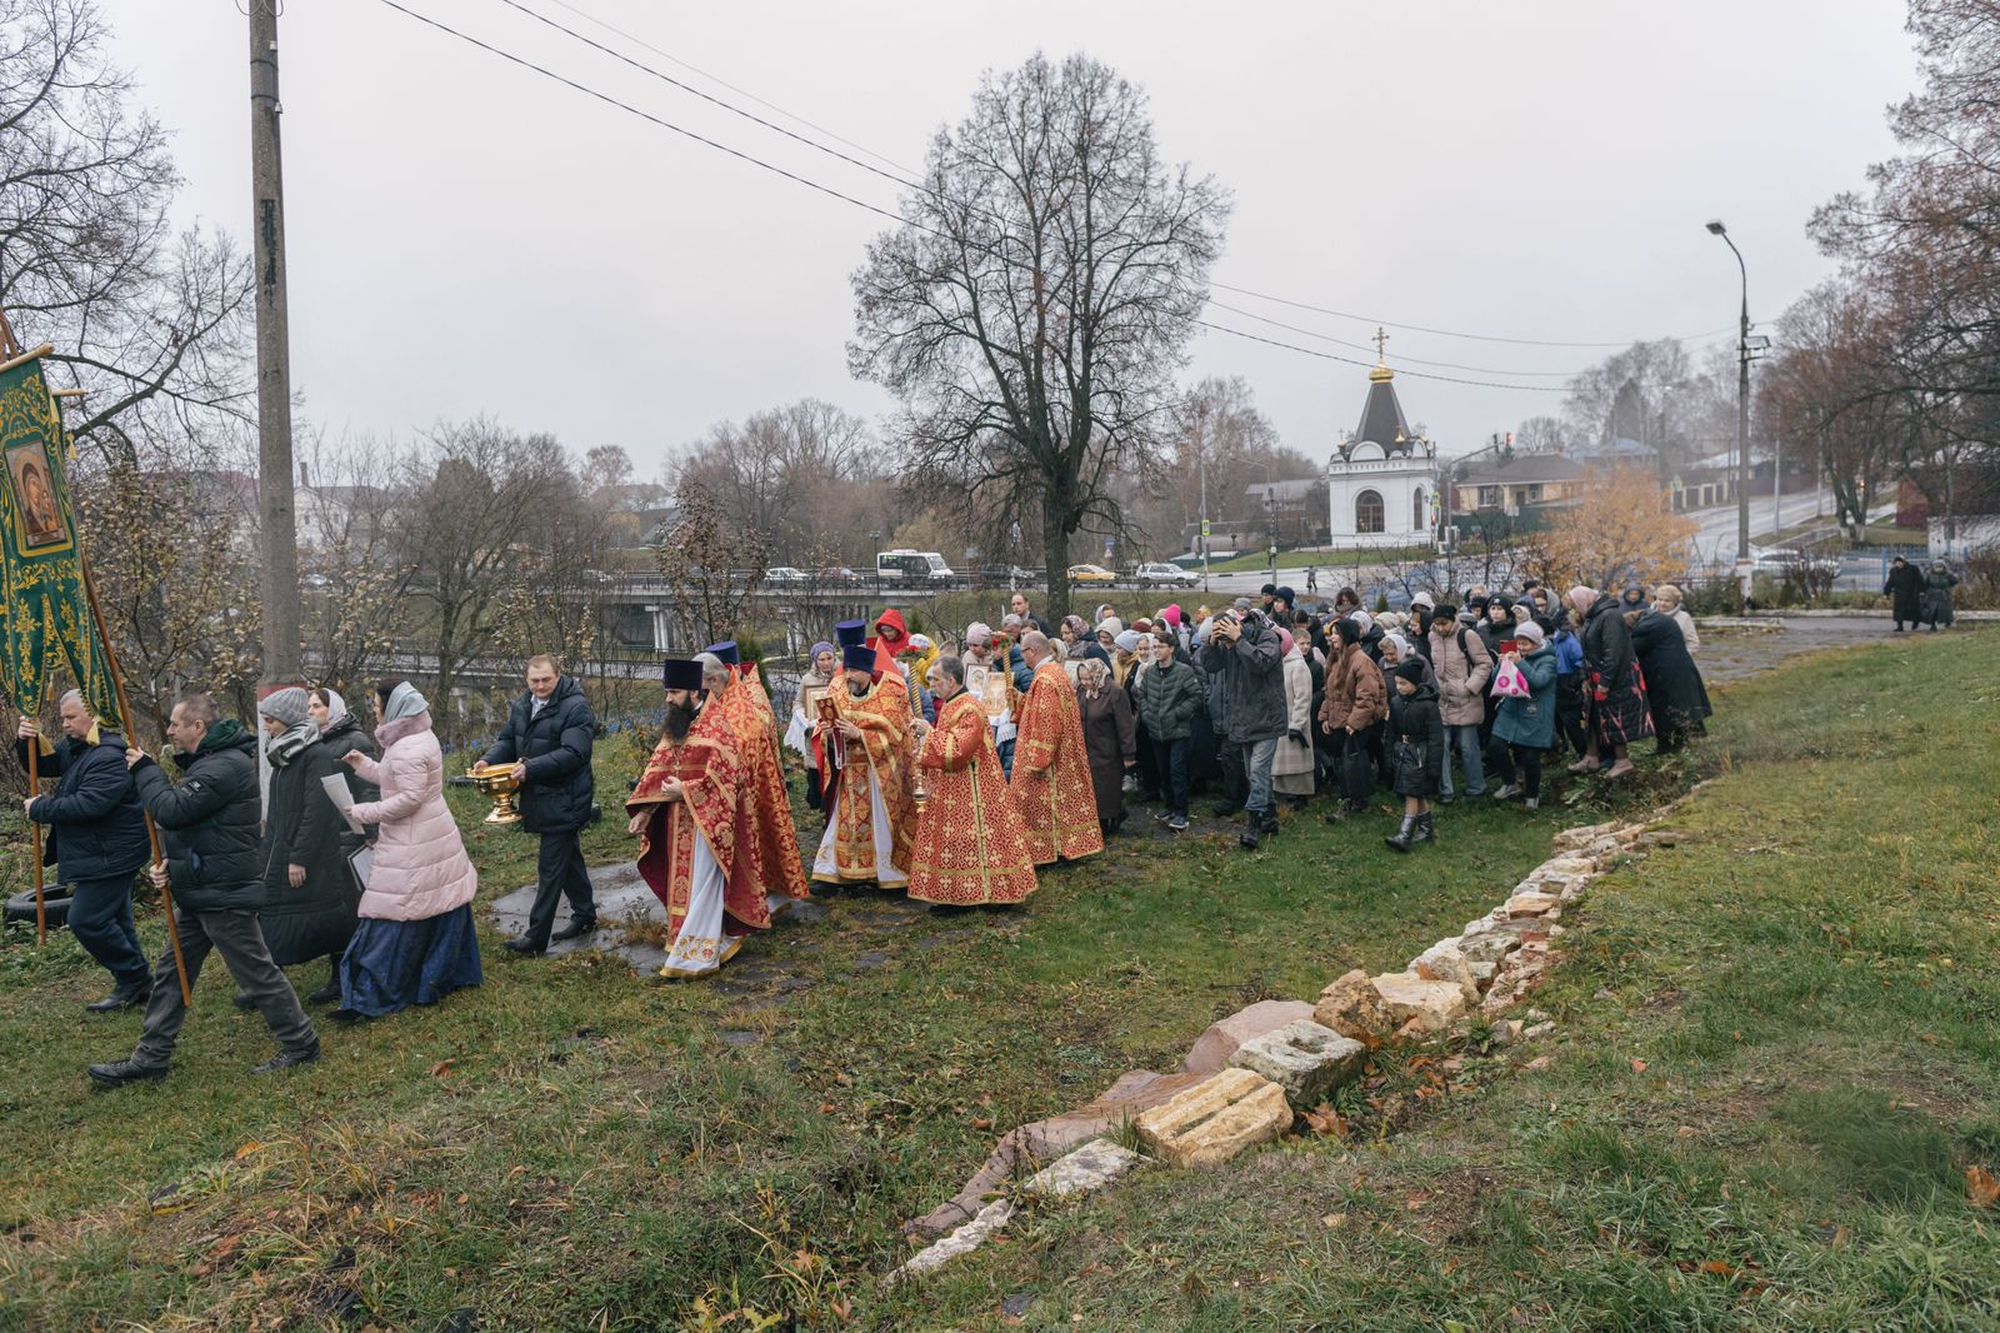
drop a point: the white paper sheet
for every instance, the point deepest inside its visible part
(342, 797)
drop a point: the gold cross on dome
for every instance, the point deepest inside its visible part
(1381, 347)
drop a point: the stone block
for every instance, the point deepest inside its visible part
(1093, 1166)
(964, 1240)
(1532, 903)
(1309, 1061)
(1444, 962)
(1212, 1050)
(1431, 1005)
(1490, 947)
(1210, 1124)
(1352, 1007)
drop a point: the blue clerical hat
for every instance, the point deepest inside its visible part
(851, 632)
(858, 657)
(682, 673)
(726, 652)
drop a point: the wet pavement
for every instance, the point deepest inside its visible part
(1735, 649)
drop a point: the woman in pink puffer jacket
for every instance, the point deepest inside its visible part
(416, 942)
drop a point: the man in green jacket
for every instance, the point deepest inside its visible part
(1173, 693)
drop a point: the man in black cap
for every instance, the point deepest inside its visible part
(1283, 602)
(547, 741)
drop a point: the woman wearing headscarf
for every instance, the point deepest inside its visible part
(1675, 693)
(309, 893)
(1937, 596)
(416, 942)
(1524, 730)
(823, 664)
(1613, 695)
(1107, 739)
(1292, 767)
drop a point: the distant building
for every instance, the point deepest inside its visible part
(1381, 483)
(1504, 483)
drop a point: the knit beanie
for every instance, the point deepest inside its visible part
(1411, 670)
(290, 706)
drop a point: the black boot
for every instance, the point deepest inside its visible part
(575, 929)
(1251, 832)
(1269, 821)
(121, 1072)
(128, 996)
(1426, 829)
(1401, 841)
(330, 992)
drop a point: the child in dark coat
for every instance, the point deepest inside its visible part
(1416, 742)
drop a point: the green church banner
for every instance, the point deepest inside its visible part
(47, 615)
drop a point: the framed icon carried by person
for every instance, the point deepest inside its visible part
(38, 518)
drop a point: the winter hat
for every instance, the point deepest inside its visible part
(1128, 642)
(1532, 632)
(1173, 615)
(1581, 597)
(1242, 604)
(1412, 670)
(920, 643)
(1347, 630)
(289, 706)
(1423, 599)
(978, 634)
(1284, 642)
(1288, 597)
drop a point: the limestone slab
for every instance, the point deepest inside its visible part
(1210, 1124)
(1212, 1051)
(1352, 1007)
(1308, 1060)
(1093, 1166)
(964, 1240)
(1443, 961)
(1532, 904)
(1432, 1005)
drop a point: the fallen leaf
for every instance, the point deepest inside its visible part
(1327, 1122)
(251, 1147)
(1334, 1221)
(1686, 1132)
(1638, 1066)
(844, 1079)
(982, 1123)
(1717, 1268)
(828, 1108)
(1981, 1189)
(1540, 1062)
(441, 1068)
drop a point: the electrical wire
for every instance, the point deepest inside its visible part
(1401, 360)
(1408, 374)
(1445, 333)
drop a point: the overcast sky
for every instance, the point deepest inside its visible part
(468, 237)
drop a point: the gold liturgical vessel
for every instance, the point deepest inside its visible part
(499, 784)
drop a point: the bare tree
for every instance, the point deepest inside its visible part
(348, 528)
(711, 565)
(154, 325)
(796, 474)
(1031, 312)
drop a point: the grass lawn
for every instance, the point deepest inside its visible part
(574, 1148)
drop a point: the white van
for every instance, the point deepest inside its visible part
(913, 569)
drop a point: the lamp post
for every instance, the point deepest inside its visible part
(1742, 402)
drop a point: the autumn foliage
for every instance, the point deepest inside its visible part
(1621, 530)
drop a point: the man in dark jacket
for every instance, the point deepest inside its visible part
(1172, 697)
(548, 742)
(1243, 650)
(210, 821)
(97, 841)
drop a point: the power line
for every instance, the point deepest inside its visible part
(904, 180)
(1412, 374)
(1442, 333)
(1409, 360)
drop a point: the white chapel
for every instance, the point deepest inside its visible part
(1381, 482)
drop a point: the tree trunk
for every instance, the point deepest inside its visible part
(1055, 556)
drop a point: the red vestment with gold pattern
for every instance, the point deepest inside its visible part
(970, 847)
(714, 779)
(768, 844)
(1051, 785)
(874, 808)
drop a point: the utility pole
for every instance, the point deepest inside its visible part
(277, 529)
(1201, 456)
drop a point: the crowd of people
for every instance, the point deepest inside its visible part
(955, 770)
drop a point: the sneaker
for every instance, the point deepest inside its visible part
(1532, 803)
(1178, 823)
(1162, 816)
(284, 1060)
(120, 1072)
(1508, 792)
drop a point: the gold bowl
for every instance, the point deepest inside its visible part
(499, 784)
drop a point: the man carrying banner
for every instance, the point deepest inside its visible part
(868, 744)
(970, 848)
(1051, 783)
(686, 811)
(211, 822)
(97, 835)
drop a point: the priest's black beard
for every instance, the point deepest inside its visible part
(680, 718)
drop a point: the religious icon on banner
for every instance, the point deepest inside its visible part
(993, 694)
(815, 703)
(41, 522)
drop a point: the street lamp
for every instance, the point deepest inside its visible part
(1715, 228)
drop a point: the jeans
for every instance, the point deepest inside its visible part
(1505, 759)
(1172, 758)
(1464, 739)
(100, 916)
(1258, 756)
(560, 874)
(240, 941)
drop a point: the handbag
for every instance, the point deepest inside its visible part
(1357, 774)
(1509, 683)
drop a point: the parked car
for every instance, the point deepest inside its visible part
(785, 576)
(1164, 576)
(1781, 560)
(1083, 574)
(838, 576)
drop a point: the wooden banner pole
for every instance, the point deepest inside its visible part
(35, 832)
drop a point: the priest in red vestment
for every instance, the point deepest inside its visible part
(874, 812)
(1051, 783)
(686, 812)
(970, 847)
(768, 849)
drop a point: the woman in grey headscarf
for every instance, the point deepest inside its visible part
(309, 894)
(1108, 739)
